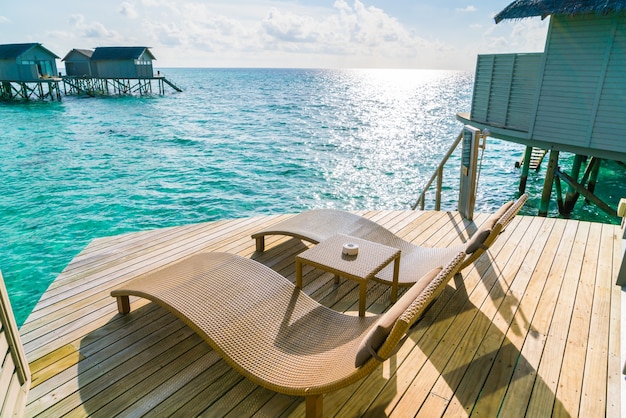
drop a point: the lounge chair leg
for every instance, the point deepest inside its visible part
(394, 285)
(314, 406)
(260, 244)
(362, 296)
(298, 273)
(123, 304)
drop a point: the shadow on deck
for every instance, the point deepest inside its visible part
(531, 328)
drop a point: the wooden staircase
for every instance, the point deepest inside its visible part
(536, 157)
(172, 85)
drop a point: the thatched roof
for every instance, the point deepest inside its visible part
(520, 9)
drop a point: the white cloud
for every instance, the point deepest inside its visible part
(467, 9)
(530, 34)
(168, 34)
(289, 27)
(199, 32)
(355, 34)
(283, 33)
(94, 30)
(128, 10)
(356, 30)
(527, 35)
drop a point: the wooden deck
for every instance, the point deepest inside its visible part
(533, 327)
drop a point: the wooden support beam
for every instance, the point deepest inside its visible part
(547, 183)
(588, 195)
(578, 161)
(525, 168)
(590, 166)
(559, 194)
(27, 90)
(571, 196)
(593, 178)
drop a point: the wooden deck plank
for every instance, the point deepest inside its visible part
(526, 303)
(393, 394)
(92, 344)
(570, 381)
(616, 368)
(75, 317)
(594, 385)
(127, 247)
(99, 274)
(149, 392)
(277, 406)
(497, 354)
(507, 315)
(467, 329)
(212, 391)
(187, 239)
(543, 395)
(198, 381)
(100, 250)
(526, 321)
(95, 373)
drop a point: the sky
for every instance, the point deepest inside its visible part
(435, 34)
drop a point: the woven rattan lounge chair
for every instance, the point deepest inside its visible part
(273, 333)
(317, 225)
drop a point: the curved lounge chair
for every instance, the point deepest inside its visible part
(319, 224)
(273, 333)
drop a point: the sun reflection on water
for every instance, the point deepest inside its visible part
(403, 122)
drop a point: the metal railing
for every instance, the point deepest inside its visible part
(439, 177)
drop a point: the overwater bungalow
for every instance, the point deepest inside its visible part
(112, 69)
(122, 62)
(26, 62)
(78, 63)
(569, 98)
(28, 70)
(533, 327)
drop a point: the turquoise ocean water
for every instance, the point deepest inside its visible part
(234, 143)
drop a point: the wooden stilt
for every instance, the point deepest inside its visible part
(593, 178)
(559, 192)
(93, 86)
(547, 183)
(571, 196)
(525, 168)
(27, 90)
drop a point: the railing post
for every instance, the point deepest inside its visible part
(621, 275)
(438, 173)
(469, 170)
(439, 187)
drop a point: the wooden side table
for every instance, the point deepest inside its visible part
(372, 258)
